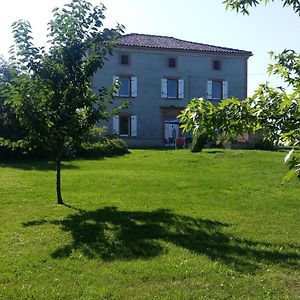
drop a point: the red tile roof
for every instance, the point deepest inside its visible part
(170, 43)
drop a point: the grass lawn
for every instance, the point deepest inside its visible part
(151, 225)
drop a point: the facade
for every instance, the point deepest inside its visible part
(159, 75)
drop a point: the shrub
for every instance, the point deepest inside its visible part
(263, 144)
(105, 146)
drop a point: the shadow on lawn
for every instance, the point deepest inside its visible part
(111, 234)
(39, 165)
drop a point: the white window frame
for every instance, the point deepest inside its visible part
(132, 125)
(133, 86)
(180, 88)
(224, 91)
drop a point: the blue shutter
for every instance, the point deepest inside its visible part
(133, 86)
(133, 126)
(116, 124)
(164, 88)
(225, 90)
(180, 88)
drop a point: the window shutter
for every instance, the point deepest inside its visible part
(180, 88)
(116, 124)
(225, 90)
(133, 126)
(209, 90)
(164, 88)
(133, 86)
(116, 78)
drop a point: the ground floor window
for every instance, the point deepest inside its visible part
(125, 125)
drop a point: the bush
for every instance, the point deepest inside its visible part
(105, 146)
(95, 135)
(262, 144)
(8, 153)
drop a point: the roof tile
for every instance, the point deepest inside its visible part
(171, 43)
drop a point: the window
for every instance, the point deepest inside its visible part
(217, 90)
(172, 62)
(172, 88)
(128, 86)
(125, 88)
(124, 59)
(125, 125)
(216, 65)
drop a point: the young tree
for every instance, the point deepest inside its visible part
(52, 93)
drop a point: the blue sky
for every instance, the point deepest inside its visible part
(205, 21)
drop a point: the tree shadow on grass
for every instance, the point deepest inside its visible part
(111, 234)
(38, 165)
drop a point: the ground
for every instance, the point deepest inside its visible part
(151, 225)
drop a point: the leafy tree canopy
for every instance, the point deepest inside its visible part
(244, 5)
(52, 93)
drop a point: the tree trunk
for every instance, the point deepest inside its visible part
(60, 147)
(58, 188)
(198, 142)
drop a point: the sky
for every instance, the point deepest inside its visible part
(268, 28)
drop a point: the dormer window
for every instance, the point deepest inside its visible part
(216, 65)
(172, 62)
(125, 59)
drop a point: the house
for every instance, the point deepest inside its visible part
(159, 75)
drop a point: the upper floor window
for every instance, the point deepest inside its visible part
(172, 62)
(124, 59)
(216, 65)
(128, 86)
(172, 88)
(217, 90)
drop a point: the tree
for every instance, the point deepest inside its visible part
(52, 92)
(199, 118)
(243, 5)
(277, 111)
(215, 123)
(10, 128)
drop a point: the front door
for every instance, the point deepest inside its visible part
(171, 132)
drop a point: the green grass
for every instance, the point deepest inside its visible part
(151, 225)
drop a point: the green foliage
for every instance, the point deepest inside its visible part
(95, 135)
(216, 123)
(96, 144)
(51, 93)
(104, 146)
(292, 159)
(262, 143)
(278, 112)
(10, 128)
(199, 117)
(244, 5)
